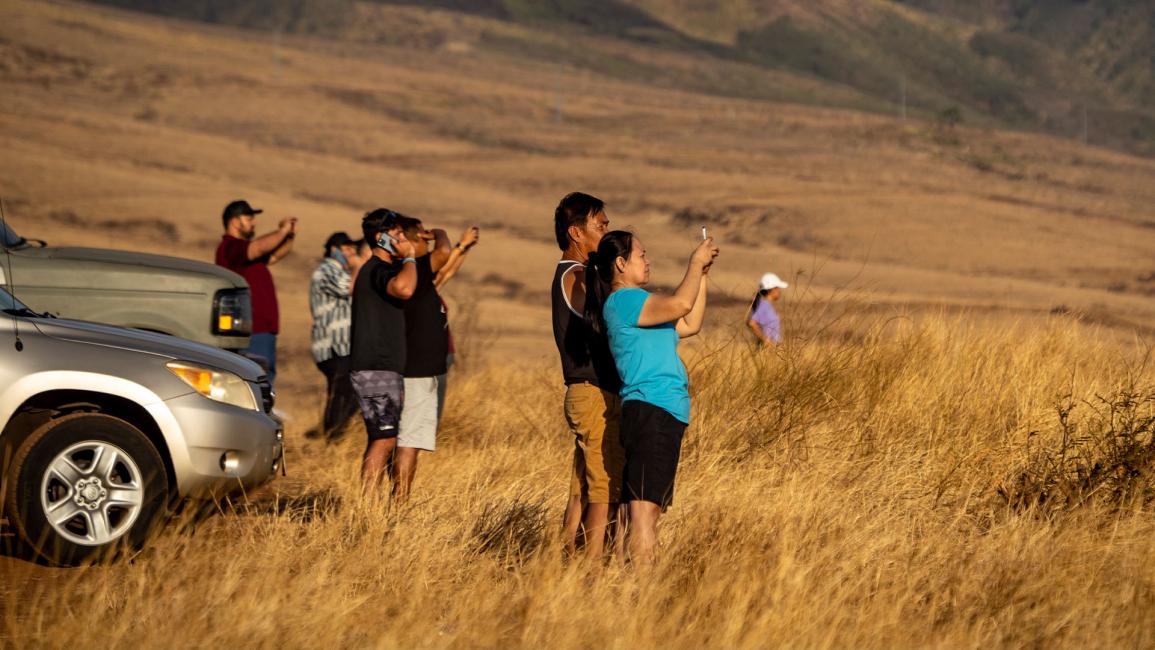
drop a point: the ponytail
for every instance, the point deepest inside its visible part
(600, 276)
(754, 304)
(759, 295)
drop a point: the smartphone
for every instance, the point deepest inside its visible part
(704, 235)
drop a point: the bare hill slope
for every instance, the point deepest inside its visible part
(112, 117)
(1069, 68)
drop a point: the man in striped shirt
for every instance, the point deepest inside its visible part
(330, 301)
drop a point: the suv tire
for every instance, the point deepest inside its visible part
(85, 487)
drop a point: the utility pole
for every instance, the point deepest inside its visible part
(1084, 125)
(902, 90)
(557, 97)
(277, 55)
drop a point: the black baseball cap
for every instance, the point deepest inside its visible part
(238, 208)
(338, 239)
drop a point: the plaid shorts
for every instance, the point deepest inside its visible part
(381, 394)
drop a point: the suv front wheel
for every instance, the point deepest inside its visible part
(85, 486)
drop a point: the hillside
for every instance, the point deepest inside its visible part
(1073, 69)
(126, 130)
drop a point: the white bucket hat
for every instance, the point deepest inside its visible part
(772, 281)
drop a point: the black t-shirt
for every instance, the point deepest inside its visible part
(426, 336)
(378, 329)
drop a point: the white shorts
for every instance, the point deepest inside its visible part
(420, 413)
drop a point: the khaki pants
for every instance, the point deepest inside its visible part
(598, 458)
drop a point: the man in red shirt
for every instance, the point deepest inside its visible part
(242, 252)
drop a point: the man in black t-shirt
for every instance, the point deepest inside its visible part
(377, 347)
(426, 350)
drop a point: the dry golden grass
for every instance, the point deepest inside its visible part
(851, 490)
(843, 491)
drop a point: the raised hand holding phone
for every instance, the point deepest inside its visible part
(703, 256)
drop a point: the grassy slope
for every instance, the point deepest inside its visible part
(844, 493)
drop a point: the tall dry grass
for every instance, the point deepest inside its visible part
(885, 483)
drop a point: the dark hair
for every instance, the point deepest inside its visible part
(409, 225)
(600, 275)
(575, 209)
(754, 303)
(377, 221)
(335, 240)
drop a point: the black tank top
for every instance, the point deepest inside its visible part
(585, 356)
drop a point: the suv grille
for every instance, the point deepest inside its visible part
(268, 395)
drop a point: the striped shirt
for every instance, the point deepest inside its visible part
(331, 305)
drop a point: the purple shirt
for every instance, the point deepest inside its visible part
(767, 319)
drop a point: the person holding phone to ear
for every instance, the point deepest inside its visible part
(331, 305)
(644, 329)
(378, 344)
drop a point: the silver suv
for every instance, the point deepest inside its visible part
(104, 429)
(193, 300)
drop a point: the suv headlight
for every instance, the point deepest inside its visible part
(232, 312)
(214, 384)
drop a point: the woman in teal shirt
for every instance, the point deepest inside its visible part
(643, 331)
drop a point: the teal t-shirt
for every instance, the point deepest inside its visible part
(646, 357)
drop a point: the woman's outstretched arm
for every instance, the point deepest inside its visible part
(691, 323)
(664, 309)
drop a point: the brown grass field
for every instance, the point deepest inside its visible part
(954, 448)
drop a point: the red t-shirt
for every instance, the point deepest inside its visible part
(233, 254)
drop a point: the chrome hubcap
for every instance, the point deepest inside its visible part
(92, 493)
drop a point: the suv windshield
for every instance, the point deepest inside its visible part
(8, 237)
(8, 303)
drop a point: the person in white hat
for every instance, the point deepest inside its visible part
(763, 318)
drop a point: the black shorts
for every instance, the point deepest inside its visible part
(382, 395)
(652, 439)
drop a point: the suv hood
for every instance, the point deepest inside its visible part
(165, 262)
(160, 345)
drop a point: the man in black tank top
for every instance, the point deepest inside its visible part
(592, 404)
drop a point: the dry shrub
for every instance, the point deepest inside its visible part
(839, 491)
(513, 531)
(1102, 449)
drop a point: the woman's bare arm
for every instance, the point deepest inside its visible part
(691, 323)
(663, 309)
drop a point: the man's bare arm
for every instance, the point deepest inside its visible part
(441, 250)
(403, 284)
(274, 242)
(457, 257)
(281, 251)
